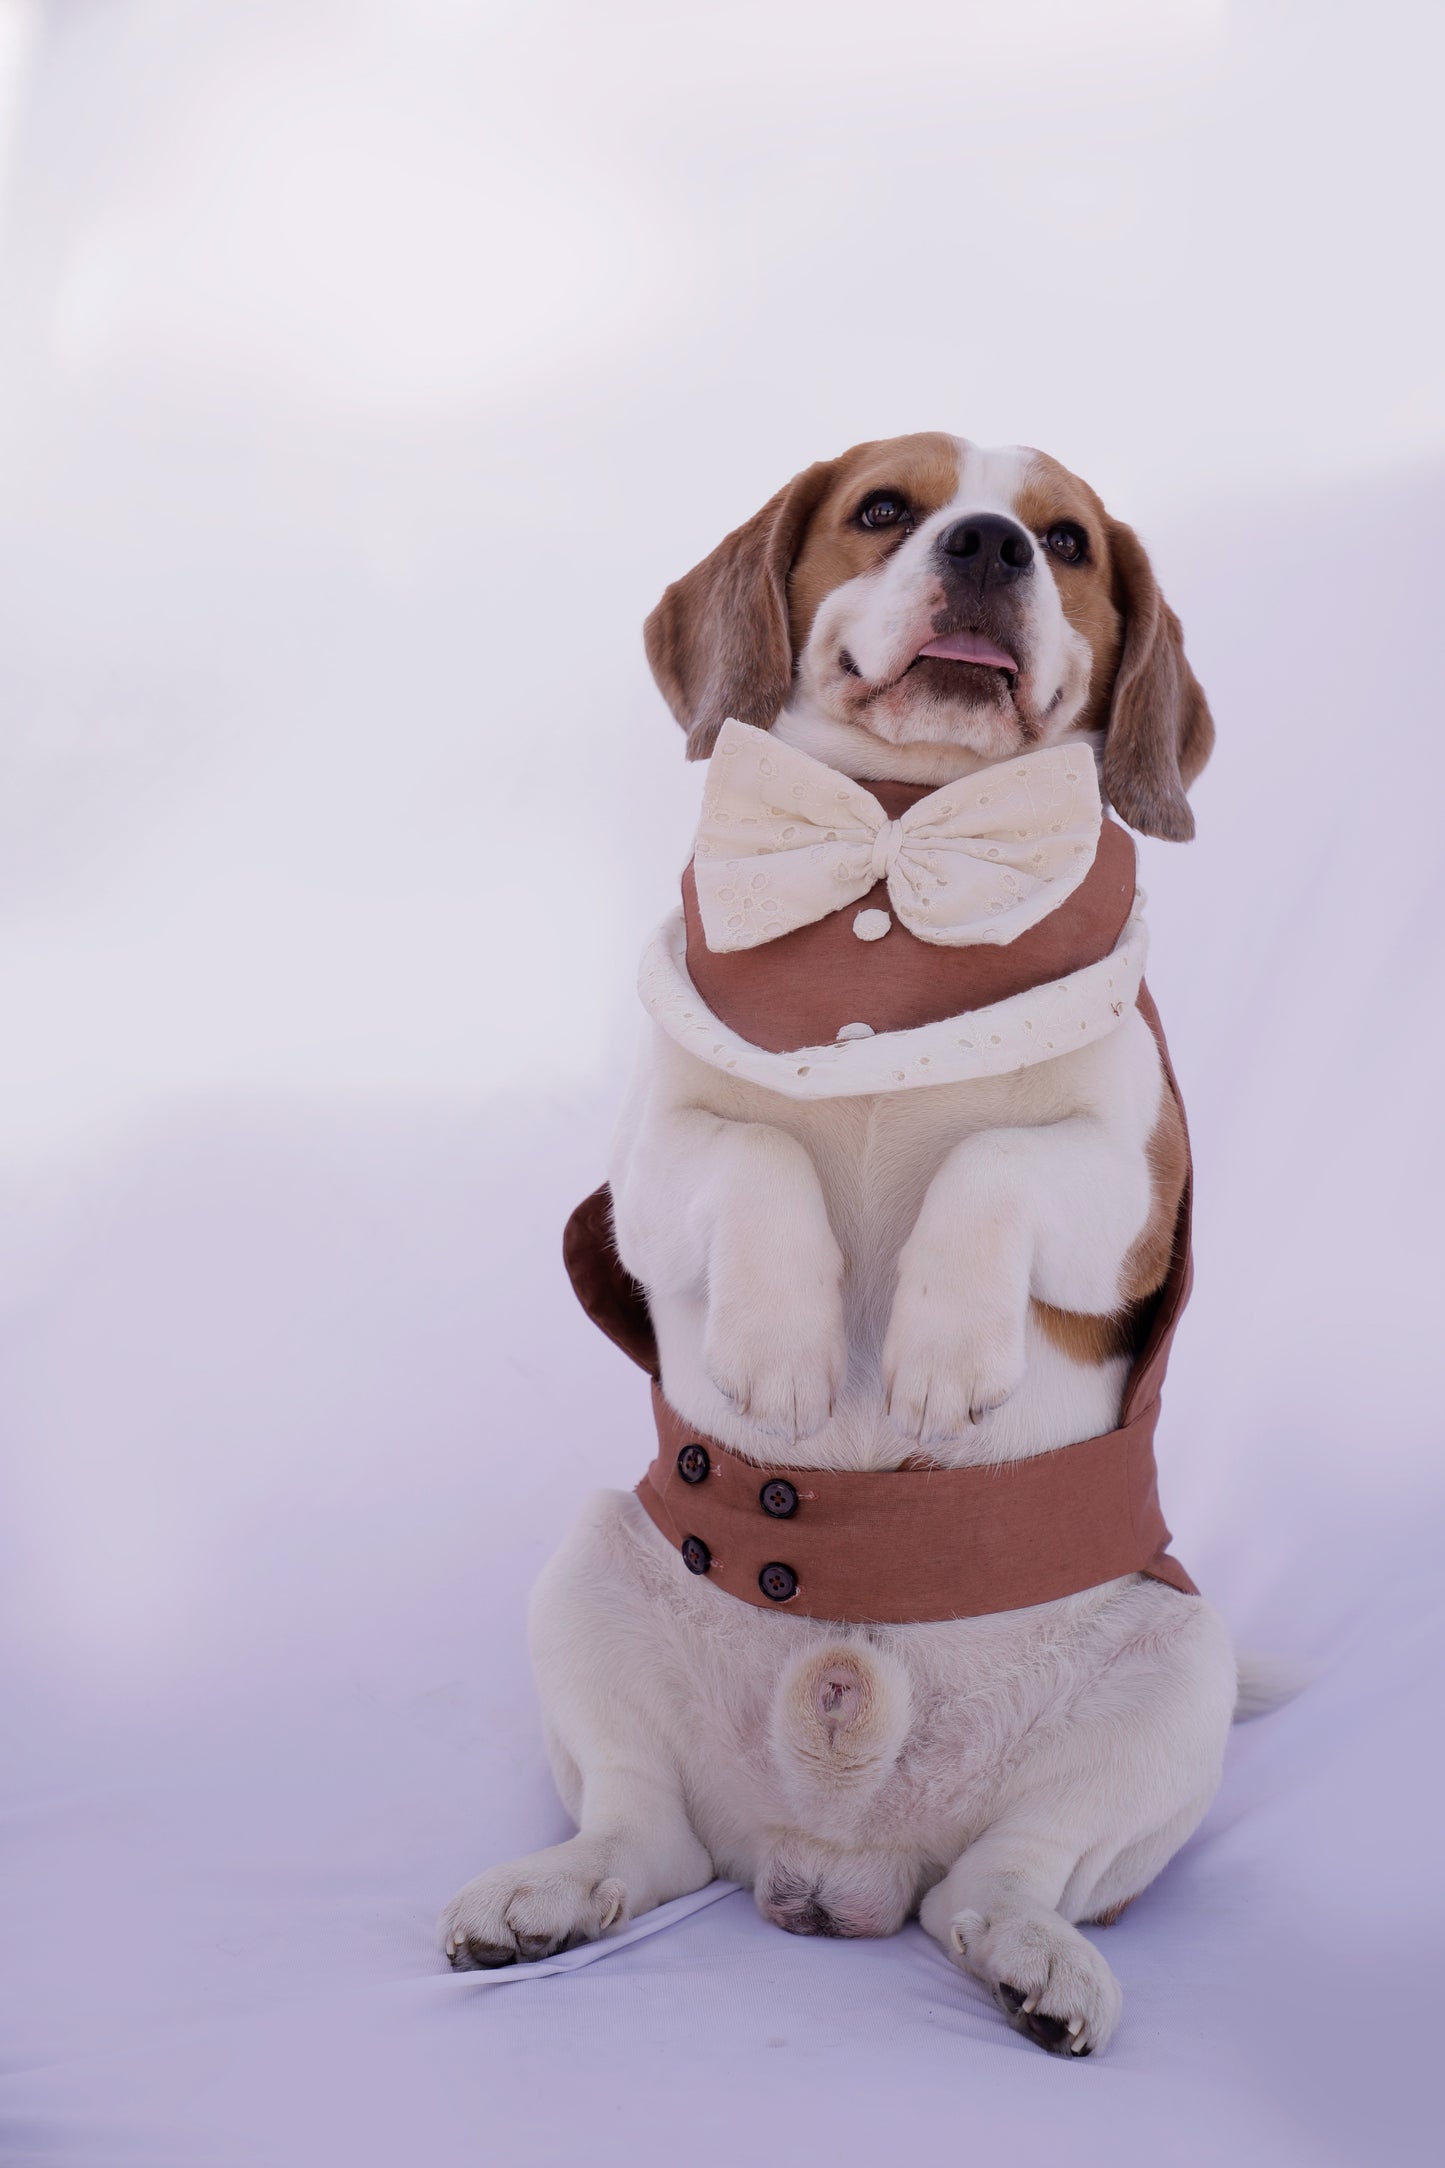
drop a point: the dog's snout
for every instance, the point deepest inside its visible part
(986, 548)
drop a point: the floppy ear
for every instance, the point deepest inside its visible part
(718, 641)
(1160, 731)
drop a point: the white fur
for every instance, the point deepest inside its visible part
(837, 1281)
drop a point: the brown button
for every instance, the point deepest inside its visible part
(693, 1463)
(778, 1582)
(778, 1498)
(697, 1557)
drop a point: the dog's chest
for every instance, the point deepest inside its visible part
(875, 1156)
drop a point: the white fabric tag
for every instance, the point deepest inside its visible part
(587, 1953)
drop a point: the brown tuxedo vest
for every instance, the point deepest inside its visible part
(915, 1542)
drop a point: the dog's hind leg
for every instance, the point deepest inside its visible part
(1101, 1805)
(634, 1847)
(996, 1913)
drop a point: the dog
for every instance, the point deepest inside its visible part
(946, 1277)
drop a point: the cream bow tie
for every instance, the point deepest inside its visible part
(784, 840)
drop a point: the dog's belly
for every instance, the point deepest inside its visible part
(855, 1762)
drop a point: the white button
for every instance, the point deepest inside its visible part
(871, 925)
(856, 1031)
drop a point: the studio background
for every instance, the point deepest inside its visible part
(366, 369)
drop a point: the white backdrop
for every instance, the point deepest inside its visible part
(368, 366)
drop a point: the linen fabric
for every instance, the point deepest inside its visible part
(903, 1545)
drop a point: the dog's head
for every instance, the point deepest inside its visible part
(922, 600)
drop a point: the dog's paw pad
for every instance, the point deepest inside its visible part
(1049, 1982)
(1056, 2034)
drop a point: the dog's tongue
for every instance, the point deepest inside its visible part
(970, 647)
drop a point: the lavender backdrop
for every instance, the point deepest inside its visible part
(367, 369)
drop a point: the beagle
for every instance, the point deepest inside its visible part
(869, 1279)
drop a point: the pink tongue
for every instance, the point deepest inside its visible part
(969, 647)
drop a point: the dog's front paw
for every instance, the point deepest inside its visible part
(1050, 1983)
(779, 1355)
(530, 1909)
(948, 1362)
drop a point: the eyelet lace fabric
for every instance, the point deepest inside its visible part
(1052, 1019)
(784, 840)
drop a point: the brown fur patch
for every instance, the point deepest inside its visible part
(1147, 1265)
(1051, 493)
(718, 640)
(1083, 1336)
(1160, 730)
(922, 468)
(1114, 1912)
(1142, 692)
(1087, 1337)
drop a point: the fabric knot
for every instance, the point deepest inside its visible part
(886, 845)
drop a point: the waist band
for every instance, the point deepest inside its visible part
(905, 1545)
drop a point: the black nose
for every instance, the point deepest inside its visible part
(987, 549)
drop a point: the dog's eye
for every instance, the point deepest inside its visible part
(883, 509)
(1068, 542)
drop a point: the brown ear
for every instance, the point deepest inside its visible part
(718, 641)
(1160, 731)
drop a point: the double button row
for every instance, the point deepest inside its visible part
(777, 1498)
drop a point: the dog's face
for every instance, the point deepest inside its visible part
(944, 594)
(923, 593)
